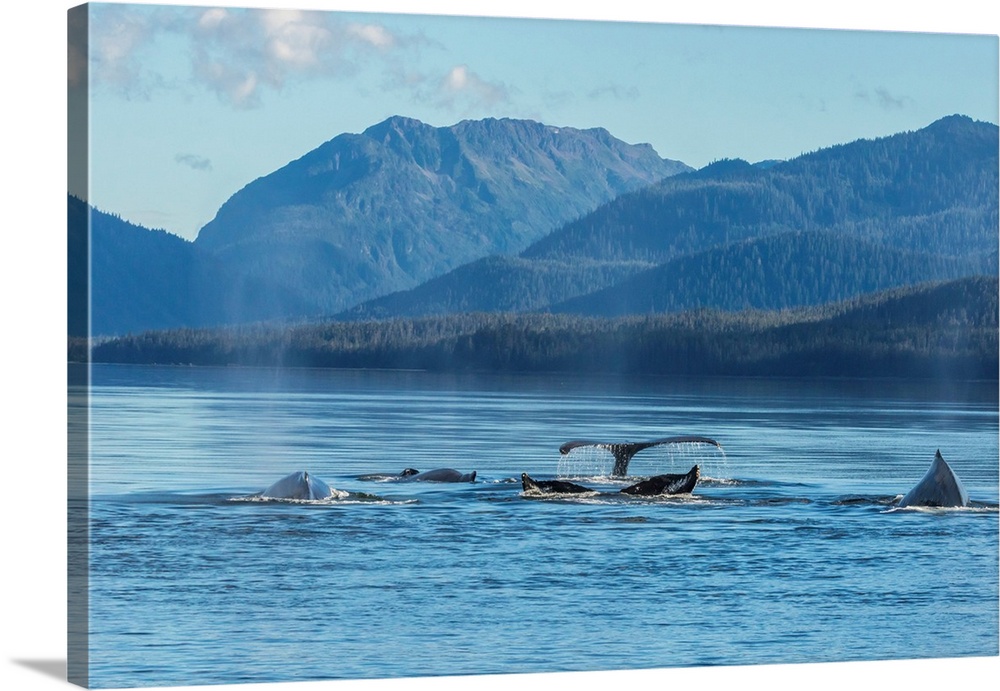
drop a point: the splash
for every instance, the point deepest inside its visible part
(339, 498)
(973, 508)
(594, 461)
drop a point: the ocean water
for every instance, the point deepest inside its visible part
(789, 550)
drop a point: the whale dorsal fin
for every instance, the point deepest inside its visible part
(940, 486)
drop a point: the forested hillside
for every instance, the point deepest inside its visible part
(144, 279)
(776, 272)
(498, 284)
(935, 330)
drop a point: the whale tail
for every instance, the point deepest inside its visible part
(624, 451)
(940, 487)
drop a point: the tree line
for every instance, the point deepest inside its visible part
(947, 329)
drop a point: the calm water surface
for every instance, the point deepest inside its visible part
(789, 550)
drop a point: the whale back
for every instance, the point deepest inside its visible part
(939, 487)
(532, 486)
(528, 483)
(441, 475)
(299, 485)
(665, 484)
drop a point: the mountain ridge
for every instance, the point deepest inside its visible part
(918, 206)
(365, 214)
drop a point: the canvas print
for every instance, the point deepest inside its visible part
(405, 345)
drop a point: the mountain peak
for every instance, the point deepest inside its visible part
(960, 125)
(725, 167)
(364, 215)
(397, 124)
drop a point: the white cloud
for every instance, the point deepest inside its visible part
(236, 53)
(458, 79)
(233, 84)
(462, 86)
(298, 45)
(242, 54)
(377, 36)
(117, 36)
(212, 18)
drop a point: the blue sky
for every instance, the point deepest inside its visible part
(188, 104)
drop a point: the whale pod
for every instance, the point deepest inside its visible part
(939, 487)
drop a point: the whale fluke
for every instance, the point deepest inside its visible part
(624, 451)
(665, 484)
(939, 487)
(300, 485)
(529, 484)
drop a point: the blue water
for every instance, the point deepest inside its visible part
(789, 550)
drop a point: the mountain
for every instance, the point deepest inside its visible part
(149, 279)
(367, 214)
(931, 190)
(838, 222)
(389, 214)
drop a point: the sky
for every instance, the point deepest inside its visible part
(189, 104)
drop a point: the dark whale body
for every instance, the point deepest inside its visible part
(437, 475)
(665, 484)
(413, 475)
(624, 451)
(528, 484)
(657, 485)
(299, 485)
(940, 487)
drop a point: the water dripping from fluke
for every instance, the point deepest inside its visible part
(586, 458)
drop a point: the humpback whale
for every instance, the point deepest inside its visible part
(624, 451)
(939, 487)
(300, 485)
(528, 484)
(665, 484)
(658, 484)
(437, 475)
(412, 474)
